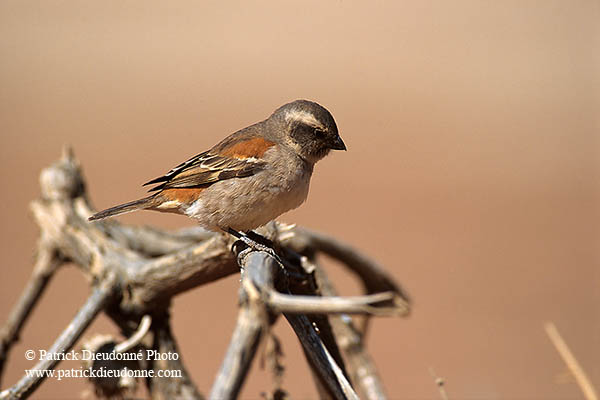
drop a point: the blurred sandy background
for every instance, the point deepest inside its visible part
(472, 172)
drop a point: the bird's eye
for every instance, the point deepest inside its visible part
(319, 132)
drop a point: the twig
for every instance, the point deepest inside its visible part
(589, 392)
(360, 365)
(273, 360)
(86, 314)
(137, 336)
(308, 286)
(372, 275)
(334, 305)
(322, 362)
(439, 382)
(46, 264)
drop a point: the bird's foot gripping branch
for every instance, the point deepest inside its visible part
(134, 272)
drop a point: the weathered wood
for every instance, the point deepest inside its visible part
(100, 296)
(259, 272)
(136, 271)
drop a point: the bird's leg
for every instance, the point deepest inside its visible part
(233, 232)
(257, 237)
(253, 240)
(260, 243)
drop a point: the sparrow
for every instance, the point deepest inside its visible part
(249, 178)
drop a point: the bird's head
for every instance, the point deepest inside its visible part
(309, 128)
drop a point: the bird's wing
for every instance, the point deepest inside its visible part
(235, 157)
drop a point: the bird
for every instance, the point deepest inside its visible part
(249, 178)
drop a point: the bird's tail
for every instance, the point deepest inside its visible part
(141, 204)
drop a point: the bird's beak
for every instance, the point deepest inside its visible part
(338, 144)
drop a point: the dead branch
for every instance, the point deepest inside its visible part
(253, 320)
(137, 336)
(584, 383)
(321, 361)
(372, 275)
(46, 264)
(94, 304)
(365, 305)
(273, 360)
(136, 271)
(164, 388)
(360, 365)
(260, 275)
(151, 241)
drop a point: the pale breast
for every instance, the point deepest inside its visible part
(247, 203)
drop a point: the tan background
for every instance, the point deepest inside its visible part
(472, 171)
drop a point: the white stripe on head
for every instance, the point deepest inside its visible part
(304, 117)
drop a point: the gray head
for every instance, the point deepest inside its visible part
(309, 128)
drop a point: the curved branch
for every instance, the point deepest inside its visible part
(374, 278)
(137, 336)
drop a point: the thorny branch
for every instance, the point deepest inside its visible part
(136, 271)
